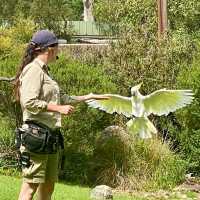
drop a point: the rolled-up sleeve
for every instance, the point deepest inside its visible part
(66, 99)
(31, 85)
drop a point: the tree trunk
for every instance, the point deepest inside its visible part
(88, 16)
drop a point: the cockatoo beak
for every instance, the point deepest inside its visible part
(135, 88)
(139, 86)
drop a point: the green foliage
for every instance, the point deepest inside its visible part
(13, 38)
(138, 57)
(126, 11)
(76, 7)
(127, 163)
(12, 43)
(8, 156)
(11, 48)
(22, 30)
(7, 8)
(189, 136)
(123, 16)
(48, 14)
(160, 167)
(6, 137)
(60, 8)
(184, 14)
(52, 15)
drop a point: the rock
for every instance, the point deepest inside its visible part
(113, 132)
(114, 140)
(101, 192)
(188, 176)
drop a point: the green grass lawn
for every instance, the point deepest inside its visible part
(10, 186)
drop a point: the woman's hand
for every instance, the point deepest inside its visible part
(62, 109)
(65, 109)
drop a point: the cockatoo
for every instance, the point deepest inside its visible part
(139, 107)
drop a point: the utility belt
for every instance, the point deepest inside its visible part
(38, 138)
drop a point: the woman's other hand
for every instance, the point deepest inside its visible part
(65, 109)
(62, 109)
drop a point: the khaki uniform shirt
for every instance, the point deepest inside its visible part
(37, 90)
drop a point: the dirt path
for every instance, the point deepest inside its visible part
(189, 190)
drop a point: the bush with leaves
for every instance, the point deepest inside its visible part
(48, 14)
(122, 161)
(138, 55)
(126, 11)
(181, 14)
(184, 14)
(12, 45)
(188, 137)
(13, 39)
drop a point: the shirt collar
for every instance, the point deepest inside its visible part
(42, 64)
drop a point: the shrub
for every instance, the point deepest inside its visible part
(128, 163)
(138, 55)
(13, 39)
(8, 156)
(137, 13)
(184, 14)
(6, 137)
(189, 135)
(181, 14)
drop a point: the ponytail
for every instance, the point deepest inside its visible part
(28, 57)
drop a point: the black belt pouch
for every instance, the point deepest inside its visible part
(35, 138)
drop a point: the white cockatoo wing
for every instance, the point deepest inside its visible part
(115, 103)
(162, 102)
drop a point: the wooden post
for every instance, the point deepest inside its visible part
(162, 17)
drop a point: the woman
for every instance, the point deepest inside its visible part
(39, 97)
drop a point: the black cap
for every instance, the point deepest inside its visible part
(44, 38)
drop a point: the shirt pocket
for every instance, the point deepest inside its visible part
(50, 90)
